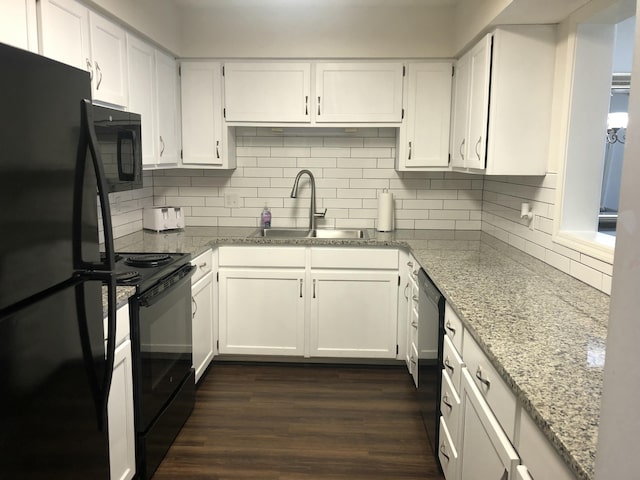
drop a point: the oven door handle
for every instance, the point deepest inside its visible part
(166, 285)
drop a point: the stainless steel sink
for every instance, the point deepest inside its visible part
(304, 233)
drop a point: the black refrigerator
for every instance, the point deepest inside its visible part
(55, 366)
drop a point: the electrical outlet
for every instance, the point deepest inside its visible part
(231, 200)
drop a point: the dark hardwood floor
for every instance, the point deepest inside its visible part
(285, 422)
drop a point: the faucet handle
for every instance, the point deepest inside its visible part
(320, 214)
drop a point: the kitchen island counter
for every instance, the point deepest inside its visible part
(543, 330)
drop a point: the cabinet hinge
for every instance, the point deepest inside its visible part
(217, 276)
(223, 70)
(181, 157)
(224, 113)
(398, 280)
(179, 70)
(453, 70)
(397, 349)
(449, 162)
(404, 71)
(402, 114)
(217, 344)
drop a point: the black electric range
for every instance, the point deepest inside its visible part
(161, 344)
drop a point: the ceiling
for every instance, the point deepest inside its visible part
(299, 3)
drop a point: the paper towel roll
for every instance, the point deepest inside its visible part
(385, 212)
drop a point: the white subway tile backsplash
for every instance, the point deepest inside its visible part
(289, 152)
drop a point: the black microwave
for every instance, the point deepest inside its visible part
(118, 135)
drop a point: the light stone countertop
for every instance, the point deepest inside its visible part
(544, 331)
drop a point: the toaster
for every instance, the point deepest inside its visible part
(162, 218)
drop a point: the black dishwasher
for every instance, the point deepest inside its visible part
(430, 321)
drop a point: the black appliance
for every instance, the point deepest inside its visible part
(118, 135)
(163, 376)
(430, 314)
(55, 371)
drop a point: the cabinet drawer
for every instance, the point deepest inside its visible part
(204, 263)
(452, 362)
(498, 395)
(284, 257)
(453, 327)
(369, 258)
(450, 406)
(447, 452)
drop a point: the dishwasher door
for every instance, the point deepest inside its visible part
(430, 321)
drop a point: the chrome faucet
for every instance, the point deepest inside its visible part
(312, 208)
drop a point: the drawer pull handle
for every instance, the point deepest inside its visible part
(448, 365)
(450, 328)
(443, 451)
(202, 265)
(413, 362)
(195, 307)
(414, 324)
(406, 295)
(410, 264)
(445, 400)
(415, 298)
(479, 377)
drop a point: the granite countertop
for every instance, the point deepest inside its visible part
(543, 330)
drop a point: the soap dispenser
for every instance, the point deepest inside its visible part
(265, 217)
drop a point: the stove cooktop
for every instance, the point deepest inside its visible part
(142, 270)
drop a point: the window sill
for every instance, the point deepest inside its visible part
(594, 244)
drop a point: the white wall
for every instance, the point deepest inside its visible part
(620, 416)
(350, 171)
(317, 28)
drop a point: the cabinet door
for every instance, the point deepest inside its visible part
(142, 99)
(267, 92)
(358, 92)
(428, 115)
(18, 25)
(201, 84)
(478, 110)
(167, 104)
(261, 311)
(354, 314)
(109, 54)
(202, 313)
(485, 450)
(120, 414)
(460, 123)
(65, 32)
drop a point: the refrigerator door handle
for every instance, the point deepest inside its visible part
(100, 388)
(88, 140)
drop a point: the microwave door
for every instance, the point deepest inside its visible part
(126, 155)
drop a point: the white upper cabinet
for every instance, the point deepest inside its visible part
(109, 54)
(167, 103)
(267, 92)
(72, 34)
(205, 137)
(362, 92)
(64, 32)
(18, 24)
(423, 143)
(503, 100)
(142, 99)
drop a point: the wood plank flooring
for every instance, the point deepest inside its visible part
(302, 422)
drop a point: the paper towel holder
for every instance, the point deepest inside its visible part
(385, 211)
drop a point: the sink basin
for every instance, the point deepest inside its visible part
(304, 233)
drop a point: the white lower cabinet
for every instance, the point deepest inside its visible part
(296, 301)
(202, 313)
(122, 453)
(353, 313)
(485, 451)
(541, 459)
(262, 311)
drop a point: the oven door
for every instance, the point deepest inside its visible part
(164, 348)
